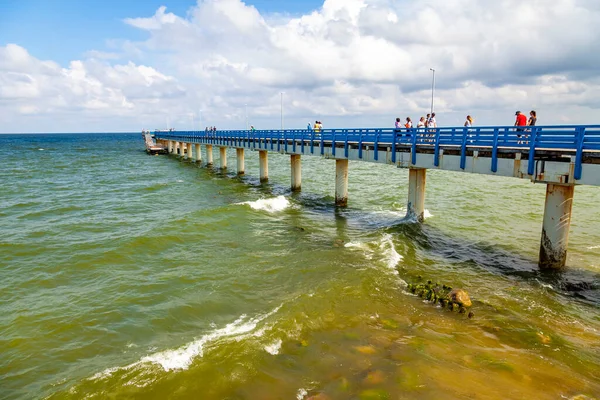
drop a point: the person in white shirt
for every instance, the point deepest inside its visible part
(421, 123)
(469, 121)
(398, 124)
(432, 122)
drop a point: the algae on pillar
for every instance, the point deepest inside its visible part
(296, 172)
(263, 161)
(241, 168)
(341, 183)
(555, 229)
(416, 194)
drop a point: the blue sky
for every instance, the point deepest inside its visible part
(63, 30)
(68, 65)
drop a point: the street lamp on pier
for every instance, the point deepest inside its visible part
(432, 87)
(282, 110)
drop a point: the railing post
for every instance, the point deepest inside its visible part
(376, 145)
(463, 149)
(394, 140)
(436, 151)
(360, 144)
(531, 161)
(495, 151)
(580, 141)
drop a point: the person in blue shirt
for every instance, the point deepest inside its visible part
(309, 127)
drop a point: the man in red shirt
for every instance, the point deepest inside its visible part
(520, 123)
(521, 120)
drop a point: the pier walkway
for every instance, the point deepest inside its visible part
(558, 156)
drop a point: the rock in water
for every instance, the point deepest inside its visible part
(460, 297)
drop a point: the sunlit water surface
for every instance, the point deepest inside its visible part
(124, 275)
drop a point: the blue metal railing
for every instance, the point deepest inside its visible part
(574, 140)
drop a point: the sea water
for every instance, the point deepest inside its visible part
(124, 275)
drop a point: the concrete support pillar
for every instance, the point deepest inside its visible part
(555, 229)
(241, 168)
(416, 194)
(296, 172)
(177, 147)
(189, 151)
(170, 146)
(341, 183)
(209, 155)
(198, 153)
(263, 164)
(223, 156)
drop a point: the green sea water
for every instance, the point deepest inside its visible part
(129, 276)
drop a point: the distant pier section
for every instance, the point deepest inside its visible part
(560, 157)
(151, 146)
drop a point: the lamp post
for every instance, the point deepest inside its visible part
(432, 87)
(282, 110)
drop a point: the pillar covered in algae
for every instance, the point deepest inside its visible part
(209, 155)
(241, 168)
(555, 229)
(189, 151)
(263, 164)
(170, 146)
(223, 157)
(341, 183)
(198, 153)
(296, 172)
(416, 194)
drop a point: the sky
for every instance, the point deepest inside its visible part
(73, 66)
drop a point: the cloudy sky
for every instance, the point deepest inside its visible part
(72, 66)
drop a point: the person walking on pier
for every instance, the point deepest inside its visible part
(408, 123)
(398, 124)
(421, 123)
(309, 127)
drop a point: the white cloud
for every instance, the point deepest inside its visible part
(351, 63)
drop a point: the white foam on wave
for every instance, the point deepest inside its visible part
(427, 214)
(302, 393)
(182, 358)
(40, 149)
(389, 251)
(275, 204)
(593, 247)
(274, 347)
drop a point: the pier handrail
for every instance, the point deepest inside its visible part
(570, 140)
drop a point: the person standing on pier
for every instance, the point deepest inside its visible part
(398, 124)
(532, 118)
(421, 123)
(520, 121)
(408, 123)
(469, 121)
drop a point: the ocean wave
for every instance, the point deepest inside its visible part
(389, 251)
(272, 205)
(182, 358)
(385, 250)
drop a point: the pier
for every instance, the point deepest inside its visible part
(560, 157)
